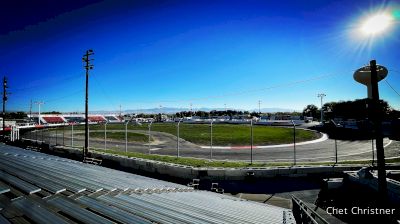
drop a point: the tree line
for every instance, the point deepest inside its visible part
(356, 109)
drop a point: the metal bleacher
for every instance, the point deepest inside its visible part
(40, 188)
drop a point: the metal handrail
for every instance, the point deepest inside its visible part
(304, 214)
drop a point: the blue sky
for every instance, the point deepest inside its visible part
(204, 53)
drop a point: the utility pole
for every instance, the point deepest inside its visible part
(322, 95)
(120, 110)
(376, 118)
(39, 103)
(259, 107)
(88, 66)
(370, 76)
(4, 105)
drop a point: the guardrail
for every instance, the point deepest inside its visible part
(304, 214)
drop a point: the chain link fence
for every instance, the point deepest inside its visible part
(212, 141)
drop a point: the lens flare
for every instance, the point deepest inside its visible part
(376, 24)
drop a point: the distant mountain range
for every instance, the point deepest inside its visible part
(172, 110)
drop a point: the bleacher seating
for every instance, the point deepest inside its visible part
(97, 119)
(40, 188)
(75, 119)
(111, 118)
(53, 120)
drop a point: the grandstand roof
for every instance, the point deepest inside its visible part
(41, 188)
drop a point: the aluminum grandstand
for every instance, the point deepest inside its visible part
(73, 118)
(40, 188)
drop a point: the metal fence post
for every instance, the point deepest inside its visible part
(63, 135)
(251, 144)
(151, 122)
(373, 153)
(177, 139)
(105, 135)
(126, 136)
(72, 135)
(211, 139)
(88, 144)
(294, 143)
(336, 159)
(56, 136)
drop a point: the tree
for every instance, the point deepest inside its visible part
(311, 111)
(356, 109)
(16, 115)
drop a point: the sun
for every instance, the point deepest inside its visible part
(376, 24)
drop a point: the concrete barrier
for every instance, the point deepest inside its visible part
(205, 173)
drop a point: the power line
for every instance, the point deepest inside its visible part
(392, 87)
(40, 84)
(282, 85)
(64, 96)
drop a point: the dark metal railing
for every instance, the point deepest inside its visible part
(304, 214)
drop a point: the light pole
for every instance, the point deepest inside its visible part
(88, 66)
(39, 103)
(177, 139)
(322, 95)
(151, 122)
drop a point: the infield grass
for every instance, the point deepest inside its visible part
(223, 134)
